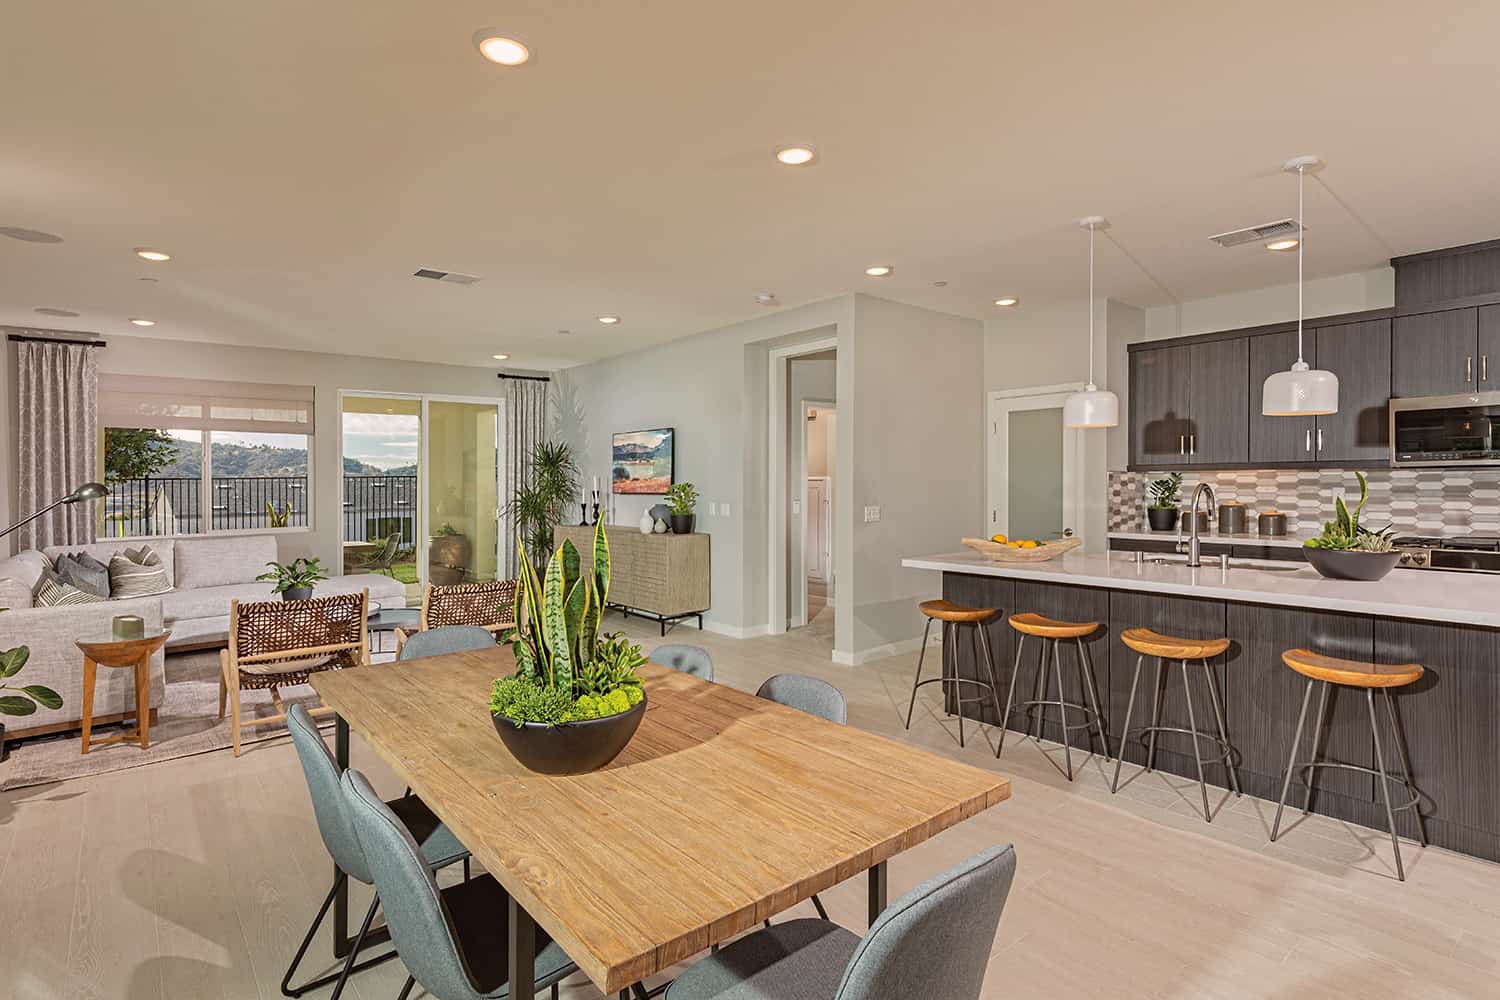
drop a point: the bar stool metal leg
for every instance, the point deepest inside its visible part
(1010, 695)
(917, 680)
(1213, 695)
(1062, 709)
(950, 656)
(1155, 716)
(1037, 716)
(1385, 785)
(1187, 692)
(1317, 736)
(1411, 790)
(1291, 760)
(1091, 689)
(989, 666)
(1114, 785)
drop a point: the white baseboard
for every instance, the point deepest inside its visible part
(735, 631)
(863, 656)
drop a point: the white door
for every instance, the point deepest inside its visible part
(1033, 464)
(816, 532)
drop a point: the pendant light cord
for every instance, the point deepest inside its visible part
(1302, 238)
(1091, 305)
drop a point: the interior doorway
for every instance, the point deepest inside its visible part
(1034, 472)
(820, 452)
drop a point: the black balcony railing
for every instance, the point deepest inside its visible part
(380, 506)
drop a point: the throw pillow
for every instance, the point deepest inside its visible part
(84, 572)
(52, 592)
(137, 573)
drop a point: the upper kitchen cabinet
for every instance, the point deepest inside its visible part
(1219, 395)
(1436, 354)
(1360, 355)
(1489, 348)
(1281, 440)
(1159, 406)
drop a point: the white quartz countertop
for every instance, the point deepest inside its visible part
(1241, 538)
(1420, 594)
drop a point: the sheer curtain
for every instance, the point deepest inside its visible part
(57, 424)
(525, 428)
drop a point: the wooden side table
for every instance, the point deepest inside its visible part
(107, 651)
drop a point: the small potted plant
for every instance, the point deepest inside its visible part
(294, 580)
(684, 500)
(21, 700)
(1346, 550)
(1166, 497)
(575, 700)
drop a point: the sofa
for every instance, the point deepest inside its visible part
(206, 572)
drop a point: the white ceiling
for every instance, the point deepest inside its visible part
(300, 160)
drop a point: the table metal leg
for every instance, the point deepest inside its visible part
(522, 944)
(342, 943)
(878, 888)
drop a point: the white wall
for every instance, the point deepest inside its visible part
(1340, 293)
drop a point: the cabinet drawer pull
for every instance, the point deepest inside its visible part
(1484, 368)
(1320, 440)
(1182, 444)
(1307, 446)
(1469, 368)
(1192, 444)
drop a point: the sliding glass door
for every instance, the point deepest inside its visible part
(462, 476)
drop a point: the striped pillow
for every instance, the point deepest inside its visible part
(137, 573)
(53, 591)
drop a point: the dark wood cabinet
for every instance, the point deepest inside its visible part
(1489, 348)
(1280, 440)
(1159, 405)
(1219, 402)
(1360, 355)
(1435, 354)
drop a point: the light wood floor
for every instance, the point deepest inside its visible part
(196, 878)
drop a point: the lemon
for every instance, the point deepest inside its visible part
(999, 538)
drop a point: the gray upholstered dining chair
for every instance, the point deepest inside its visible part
(691, 660)
(934, 941)
(815, 697)
(446, 639)
(453, 941)
(439, 846)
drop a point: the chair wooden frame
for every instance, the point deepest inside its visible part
(269, 632)
(455, 605)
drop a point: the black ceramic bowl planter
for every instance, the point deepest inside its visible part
(683, 524)
(572, 747)
(1350, 564)
(1161, 518)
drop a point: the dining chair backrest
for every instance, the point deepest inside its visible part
(935, 940)
(807, 694)
(409, 896)
(322, 774)
(685, 659)
(489, 604)
(446, 639)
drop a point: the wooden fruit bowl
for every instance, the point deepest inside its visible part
(1004, 553)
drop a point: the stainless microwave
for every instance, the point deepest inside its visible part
(1446, 430)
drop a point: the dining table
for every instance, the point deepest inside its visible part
(724, 810)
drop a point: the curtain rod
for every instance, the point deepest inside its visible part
(525, 378)
(23, 338)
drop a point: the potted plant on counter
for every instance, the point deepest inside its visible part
(294, 580)
(575, 700)
(684, 500)
(1166, 497)
(1346, 550)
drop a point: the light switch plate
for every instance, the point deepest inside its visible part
(713, 509)
(872, 514)
(796, 505)
(724, 509)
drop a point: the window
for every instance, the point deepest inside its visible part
(184, 457)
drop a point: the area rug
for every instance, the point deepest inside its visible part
(187, 723)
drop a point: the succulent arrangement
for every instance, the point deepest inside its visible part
(683, 497)
(1166, 493)
(1345, 534)
(566, 669)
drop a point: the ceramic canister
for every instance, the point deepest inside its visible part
(1233, 518)
(1272, 522)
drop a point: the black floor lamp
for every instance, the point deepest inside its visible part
(88, 491)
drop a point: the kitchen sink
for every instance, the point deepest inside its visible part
(1212, 562)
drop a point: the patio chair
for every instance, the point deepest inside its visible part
(382, 560)
(490, 606)
(276, 644)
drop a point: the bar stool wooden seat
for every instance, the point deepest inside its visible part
(1371, 677)
(954, 618)
(1164, 648)
(1053, 631)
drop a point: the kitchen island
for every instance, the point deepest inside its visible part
(1448, 622)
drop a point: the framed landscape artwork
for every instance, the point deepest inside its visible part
(642, 462)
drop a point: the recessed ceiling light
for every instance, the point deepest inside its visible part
(28, 235)
(49, 311)
(564, 333)
(796, 156)
(498, 48)
(766, 298)
(500, 357)
(146, 253)
(1282, 245)
(880, 271)
(1006, 301)
(609, 320)
(939, 284)
(143, 322)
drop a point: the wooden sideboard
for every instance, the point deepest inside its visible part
(662, 577)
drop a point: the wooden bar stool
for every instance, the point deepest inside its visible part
(955, 617)
(1146, 643)
(1329, 670)
(1052, 632)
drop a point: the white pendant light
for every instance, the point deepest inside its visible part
(1093, 407)
(1303, 391)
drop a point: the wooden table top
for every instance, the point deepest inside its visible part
(724, 809)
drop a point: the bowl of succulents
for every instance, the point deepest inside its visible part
(575, 699)
(1347, 550)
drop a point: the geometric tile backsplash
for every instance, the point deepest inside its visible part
(1412, 501)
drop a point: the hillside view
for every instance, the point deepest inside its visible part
(259, 460)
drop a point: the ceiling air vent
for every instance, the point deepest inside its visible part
(452, 277)
(1252, 234)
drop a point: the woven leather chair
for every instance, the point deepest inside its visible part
(490, 605)
(276, 644)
